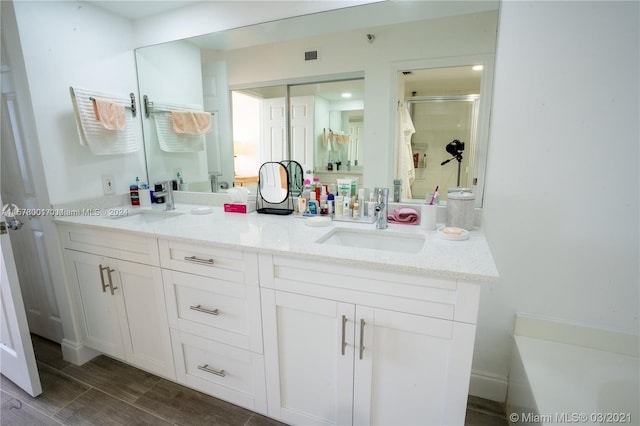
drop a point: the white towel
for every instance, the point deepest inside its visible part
(168, 139)
(406, 171)
(92, 133)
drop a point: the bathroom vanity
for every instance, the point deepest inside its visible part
(254, 310)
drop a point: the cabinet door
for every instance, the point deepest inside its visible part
(413, 369)
(95, 306)
(309, 370)
(143, 317)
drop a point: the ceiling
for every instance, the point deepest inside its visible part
(137, 9)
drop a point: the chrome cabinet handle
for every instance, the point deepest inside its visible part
(361, 337)
(104, 286)
(198, 260)
(206, 368)
(199, 308)
(344, 343)
(109, 271)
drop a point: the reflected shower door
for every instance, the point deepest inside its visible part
(439, 121)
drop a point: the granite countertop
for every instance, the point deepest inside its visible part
(288, 235)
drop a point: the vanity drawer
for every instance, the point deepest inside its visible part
(226, 372)
(115, 244)
(221, 263)
(219, 310)
(443, 298)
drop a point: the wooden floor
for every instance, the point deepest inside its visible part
(107, 392)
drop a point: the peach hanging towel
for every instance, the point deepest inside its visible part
(191, 122)
(109, 114)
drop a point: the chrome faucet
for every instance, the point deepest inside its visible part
(381, 198)
(168, 194)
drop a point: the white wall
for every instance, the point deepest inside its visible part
(561, 198)
(75, 44)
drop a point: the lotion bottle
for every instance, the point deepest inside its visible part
(346, 209)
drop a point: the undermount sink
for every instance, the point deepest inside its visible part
(376, 240)
(146, 216)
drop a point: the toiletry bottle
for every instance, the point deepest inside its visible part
(346, 207)
(317, 187)
(134, 194)
(339, 205)
(397, 190)
(306, 190)
(356, 209)
(313, 207)
(371, 208)
(138, 182)
(330, 205)
(424, 161)
(159, 188)
(323, 196)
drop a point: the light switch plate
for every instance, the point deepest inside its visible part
(108, 185)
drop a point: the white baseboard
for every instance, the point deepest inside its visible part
(488, 386)
(77, 354)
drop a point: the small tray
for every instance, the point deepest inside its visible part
(461, 236)
(318, 221)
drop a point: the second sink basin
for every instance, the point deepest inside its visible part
(376, 240)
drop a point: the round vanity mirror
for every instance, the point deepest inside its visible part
(273, 182)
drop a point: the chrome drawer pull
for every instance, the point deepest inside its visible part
(344, 343)
(198, 260)
(109, 271)
(208, 370)
(361, 337)
(104, 286)
(199, 308)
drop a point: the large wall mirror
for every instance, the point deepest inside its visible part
(247, 76)
(325, 124)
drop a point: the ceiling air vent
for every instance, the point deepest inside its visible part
(311, 55)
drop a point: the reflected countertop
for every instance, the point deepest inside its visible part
(288, 235)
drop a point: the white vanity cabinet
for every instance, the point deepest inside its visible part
(213, 305)
(345, 345)
(119, 304)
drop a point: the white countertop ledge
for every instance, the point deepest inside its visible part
(288, 235)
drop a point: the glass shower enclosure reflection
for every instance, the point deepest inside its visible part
(438, 121)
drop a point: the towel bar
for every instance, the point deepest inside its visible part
(149, 108)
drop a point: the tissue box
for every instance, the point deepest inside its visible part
(239, 207)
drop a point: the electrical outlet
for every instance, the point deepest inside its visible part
(108, 185)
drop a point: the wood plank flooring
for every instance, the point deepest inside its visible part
(108, 392)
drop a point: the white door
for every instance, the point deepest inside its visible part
(144, 327)
(309, 345)
(92, 279)
(274, 138)
(302, 119)
(20, 188)
(17, 362)
(413, 370)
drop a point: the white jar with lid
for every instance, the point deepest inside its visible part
(461, 210)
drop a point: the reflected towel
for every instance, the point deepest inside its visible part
(191, 122)
(342, 139)
(109, 114)
(405, 215)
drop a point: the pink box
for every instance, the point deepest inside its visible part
(235, 208)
